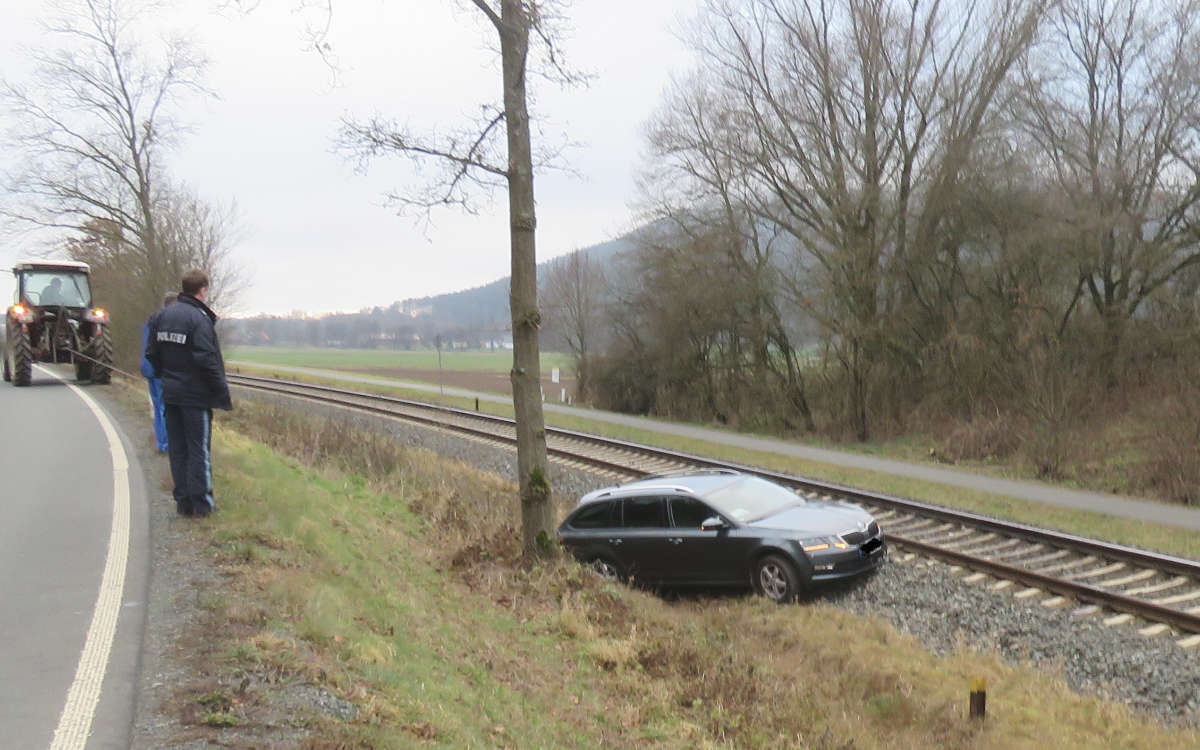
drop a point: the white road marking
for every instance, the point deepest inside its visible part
(75, 723)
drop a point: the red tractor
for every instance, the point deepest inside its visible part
(52, 320)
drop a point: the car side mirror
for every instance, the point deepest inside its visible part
(716, 523)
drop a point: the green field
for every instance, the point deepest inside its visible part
(498, 361)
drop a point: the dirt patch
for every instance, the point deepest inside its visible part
(487, 382)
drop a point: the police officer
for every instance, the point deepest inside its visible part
(184, 352)
(155, 383)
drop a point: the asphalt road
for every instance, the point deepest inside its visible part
(1114, 505)
(73, 548)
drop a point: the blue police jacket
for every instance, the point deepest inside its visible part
(184, 352)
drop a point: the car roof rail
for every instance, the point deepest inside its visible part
(689, 472)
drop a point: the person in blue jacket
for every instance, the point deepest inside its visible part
(155, 383)
(184, 352)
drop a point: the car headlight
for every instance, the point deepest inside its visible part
(820, 543)
(96, 315)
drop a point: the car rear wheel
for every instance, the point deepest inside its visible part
(776, 579)
(607, 569)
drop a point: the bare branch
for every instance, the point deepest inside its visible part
(91, 132)
(469, 158)
(1109, 102)
(492, 15)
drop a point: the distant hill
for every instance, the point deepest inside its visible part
(487, 306)
(470, 318)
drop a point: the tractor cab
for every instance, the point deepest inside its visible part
(52, 320)
(53, 284)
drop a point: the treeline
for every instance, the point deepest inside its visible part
(392, 327)
(874, 217)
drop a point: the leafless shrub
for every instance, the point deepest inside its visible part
(1172, 468)
(981, 440)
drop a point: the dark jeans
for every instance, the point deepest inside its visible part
(189, 442)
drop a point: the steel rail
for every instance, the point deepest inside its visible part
(1158, 560)
(1080, 591)
(274, 387)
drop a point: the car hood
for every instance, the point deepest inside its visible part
(817, 518)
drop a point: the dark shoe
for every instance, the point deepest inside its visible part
(184, 508)
(201, 510)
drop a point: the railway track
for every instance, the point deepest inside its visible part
(1159, 594)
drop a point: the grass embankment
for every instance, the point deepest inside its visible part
(1141, 534)
(391, 577)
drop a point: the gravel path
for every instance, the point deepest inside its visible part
(924, 599)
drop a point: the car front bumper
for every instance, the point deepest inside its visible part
(830, 566)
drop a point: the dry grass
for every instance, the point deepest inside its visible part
(1141, 441)
(1108, 467)
(394, 577)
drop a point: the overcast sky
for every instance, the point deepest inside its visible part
(317, 236)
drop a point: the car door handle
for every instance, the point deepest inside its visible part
(615, 541)
(676, 540)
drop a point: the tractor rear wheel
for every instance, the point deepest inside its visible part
(22, 357)
(100, 349)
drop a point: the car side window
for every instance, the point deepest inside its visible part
(645, 513)
(600, 515)
(689, 513)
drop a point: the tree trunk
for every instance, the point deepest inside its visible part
(583, 379)
(1110, 345)
(858, 392)
(537, 512)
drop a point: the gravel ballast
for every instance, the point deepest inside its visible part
(927, 600)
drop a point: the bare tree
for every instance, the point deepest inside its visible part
(192, 234)
(698, 194)
(846, 124)
(475, 158)
(1112, 105)
(573, 302)
(196, 233)
(92, 128)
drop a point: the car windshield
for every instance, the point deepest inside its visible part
(750, 499)
(65, 288)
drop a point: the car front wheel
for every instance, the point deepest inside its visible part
(607, 569)
(776, 579)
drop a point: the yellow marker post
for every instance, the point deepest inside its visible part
(978, 697)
